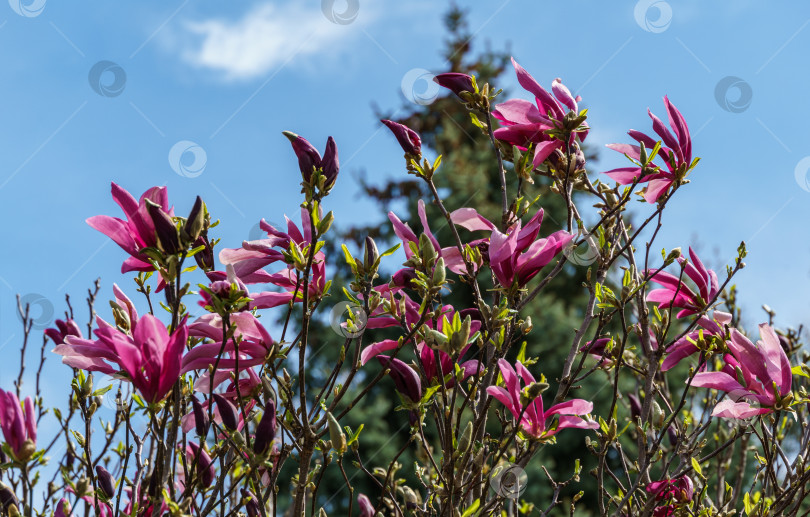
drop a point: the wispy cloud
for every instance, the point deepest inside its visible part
(266, 37)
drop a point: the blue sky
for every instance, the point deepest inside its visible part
(224, 79)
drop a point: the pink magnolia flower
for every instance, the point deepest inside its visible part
(146, 353)
(677, 294)
(254, 343)
(150, 356)
(138, 231)
(451, 255)
(756, 377)
(98, 355)
(249, 260)
(526, 123)
(63, 329)
(435, 370)
(685, 347)
(18, 424)
(516, 256)
(673, 492)
(533, 419)
(676, 153)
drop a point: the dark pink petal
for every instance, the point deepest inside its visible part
(518, 111)
(377, 348)
(717, 380)
(624, 175)
(543, 97)
(544, 150)
(116, 229)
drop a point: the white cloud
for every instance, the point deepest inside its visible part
(269, 36)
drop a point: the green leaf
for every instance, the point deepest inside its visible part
(476, 122)
(798, 370)
(470, 510)
(696, 466)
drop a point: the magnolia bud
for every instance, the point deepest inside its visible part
(105, 481)
(266, 430)
(336, 435)
(251, 503)
(227, 411)
(371, 254)
(7, 497)
(200, 418)
(168, 239)
(195, 222)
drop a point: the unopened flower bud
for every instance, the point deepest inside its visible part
(371, 254)
(200, 418)
(105, 481)
(195, 222)
(168, 239)
(227, 411)
(266, 430)
(251, 503)
(336, 435)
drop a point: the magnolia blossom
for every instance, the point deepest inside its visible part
(435, 370)
(673, 492)
(686, 346)
(249, 260)
(19, 425)
(532, 417)
(63, 329)
(517, 255)
(676, 153)
(452, 257)
(145, 352)
(138, 231)
(254, 343)
(757, 377)
(527, 123)
(675, 293)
